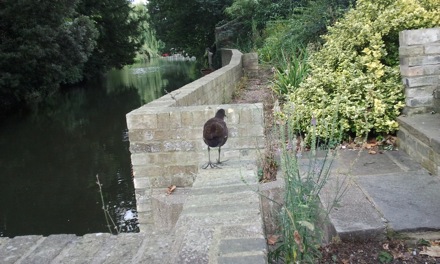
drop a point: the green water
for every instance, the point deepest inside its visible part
(49, 159)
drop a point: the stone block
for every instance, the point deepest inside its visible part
(419, 102)
(356, 218)
(166, 209)
(145, 220)
(419, 36)
(246, 116)
(190, 157)
(245, 259)
(163, 120)
(175, 120)
(15, 248)
(86, 247)
(119, 249)
(150, 147)
(233, 116)
(251, 131)
(431, 60)
(247, 230)
(178, 145)
(49, 249)
(199, 117)
(411, 71)
(138, 159)
(246, 142)
(143, 203)
(141, 182)
(410, 51)
(272, 199)
(431, 69)
(149, 170)
(162, 181)
(250, 64)
(163, 134)
(182, 180)
(182, 170)
(422, 81)
(229, 246)
(425, 91)
(186, 119)
(141, 120)
(162, 158)
(432, 48)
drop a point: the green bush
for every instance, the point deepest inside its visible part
(293, 69)
(307, 21)
(356, 73)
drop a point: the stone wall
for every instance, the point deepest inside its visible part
(418, 133)
(165, 135)
(420, 69)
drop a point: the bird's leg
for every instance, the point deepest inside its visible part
(218, 160)
(209, 160)
(212, 165)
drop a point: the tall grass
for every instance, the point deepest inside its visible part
(292, 70)
(111, 225)
(306, 170)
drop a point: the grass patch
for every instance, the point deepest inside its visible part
(306, 170)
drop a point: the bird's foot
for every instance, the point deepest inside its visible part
(221, 162)
(212, 165)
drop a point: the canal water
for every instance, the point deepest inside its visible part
(49, 159)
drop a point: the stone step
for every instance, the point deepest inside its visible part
(221, 220)
(151, 247)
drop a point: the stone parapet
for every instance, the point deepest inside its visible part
(166, 142)
(420, 69)
(167, 147)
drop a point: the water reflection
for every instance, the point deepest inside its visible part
(49, 160)
(158, 73)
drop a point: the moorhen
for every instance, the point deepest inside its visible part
(215, 134)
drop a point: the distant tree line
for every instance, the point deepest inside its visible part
(48, 44)
(189, 25)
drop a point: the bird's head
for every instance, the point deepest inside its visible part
(220, 113)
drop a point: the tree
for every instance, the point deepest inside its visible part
(43, 44)
(151, 45)
(119, 34)
(187, 25)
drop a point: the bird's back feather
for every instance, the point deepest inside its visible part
(215, 132)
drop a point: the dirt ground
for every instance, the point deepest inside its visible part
(391, 250)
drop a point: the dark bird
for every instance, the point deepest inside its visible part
(215, 134)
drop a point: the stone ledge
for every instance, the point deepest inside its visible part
(419, 136)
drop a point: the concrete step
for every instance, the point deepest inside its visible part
(221, 220)
(92, 248)
(419, 136)
(388, 191)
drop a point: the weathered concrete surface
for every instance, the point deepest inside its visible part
(383, 191)
(221, 221)
(419, 136)
(272, 197)
(94, 248)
